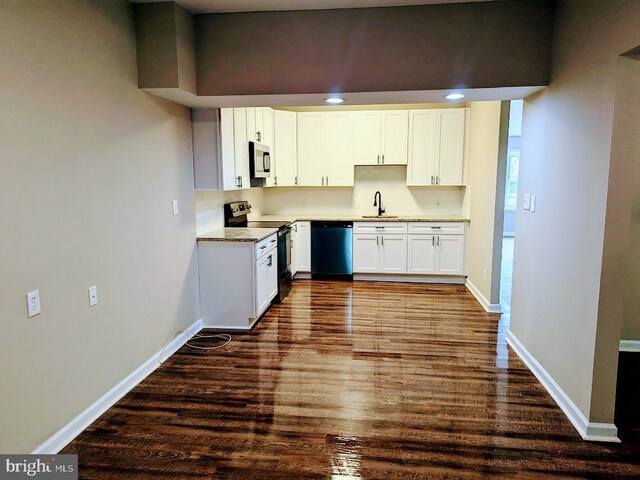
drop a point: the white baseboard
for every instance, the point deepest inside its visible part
(488, 306)
(595, 432)
(302, 275)
(630, 345)
(382, 277)
(71, 430)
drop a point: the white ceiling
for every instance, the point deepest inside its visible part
(220, 6)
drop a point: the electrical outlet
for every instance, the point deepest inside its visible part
(175, 207)
(93, 296)
(33, 303)
(532, 204)
(527, 201)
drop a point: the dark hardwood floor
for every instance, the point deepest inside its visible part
(348, 381)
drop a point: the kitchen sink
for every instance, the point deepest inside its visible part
(379, 216)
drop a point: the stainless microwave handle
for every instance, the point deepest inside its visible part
(266, 162)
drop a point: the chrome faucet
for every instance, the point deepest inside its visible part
(377, 202)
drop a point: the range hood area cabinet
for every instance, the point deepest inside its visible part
(438, 147)
(325, 149)
(221, 145)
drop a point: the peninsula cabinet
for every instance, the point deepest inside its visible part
(437, 147)
(380, 137)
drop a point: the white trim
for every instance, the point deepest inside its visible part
(381, 277)
(302, 275)
(71, 430)
(630, 345)
(482, 300)
(595, 432)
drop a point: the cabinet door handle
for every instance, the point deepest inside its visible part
(258, 136)
(327, 180)
(295, 180)
(437, 179)
(239, 182)
(378, 158)
(270, 260)
(377, 240)
(433, 241)
(382, 240)
(432, 180)
(383, 158)
(438, 242)
(275, 180)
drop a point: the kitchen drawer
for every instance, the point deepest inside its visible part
(387, 228)
(429, 228)
(264, 246)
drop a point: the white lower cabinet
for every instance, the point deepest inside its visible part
(436, 254)
(450, 254)
(393, 253)
(422, 254)
(301, 249)
(388, 248)
(379, 253)
(266, 280)
(238, 281)
(366, 254)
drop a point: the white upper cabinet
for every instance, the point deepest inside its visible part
(422, 147)
(395, 128)
(380, 137)
(285, 150)
(451, 143)
(338, 151)
(367, 141)
(325, 149)
(310, 149)
(241, 147)
(267, 135)
(228, 146)
(251, 124)
(437, 140)
(220, 148)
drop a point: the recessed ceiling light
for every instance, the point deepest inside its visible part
(454, 96)
(334, 100)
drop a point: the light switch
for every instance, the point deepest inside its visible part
(532, 203)
(175, 207)
(93, 296)
(527, 201)
(33, 303)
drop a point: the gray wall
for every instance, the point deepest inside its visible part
(489, 44)
(560, 252)
(89, 167)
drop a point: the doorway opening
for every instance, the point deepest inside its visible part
(510, 204)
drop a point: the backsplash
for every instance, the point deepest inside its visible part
(209, 206)
(397, 198)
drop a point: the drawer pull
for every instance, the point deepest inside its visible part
(263, 247)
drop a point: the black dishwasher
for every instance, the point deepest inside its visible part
(331, 249)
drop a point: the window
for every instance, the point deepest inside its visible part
(511, 189)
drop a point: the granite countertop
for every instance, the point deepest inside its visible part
(237, 235)
(359, 218)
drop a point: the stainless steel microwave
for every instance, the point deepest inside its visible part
(259, 160)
